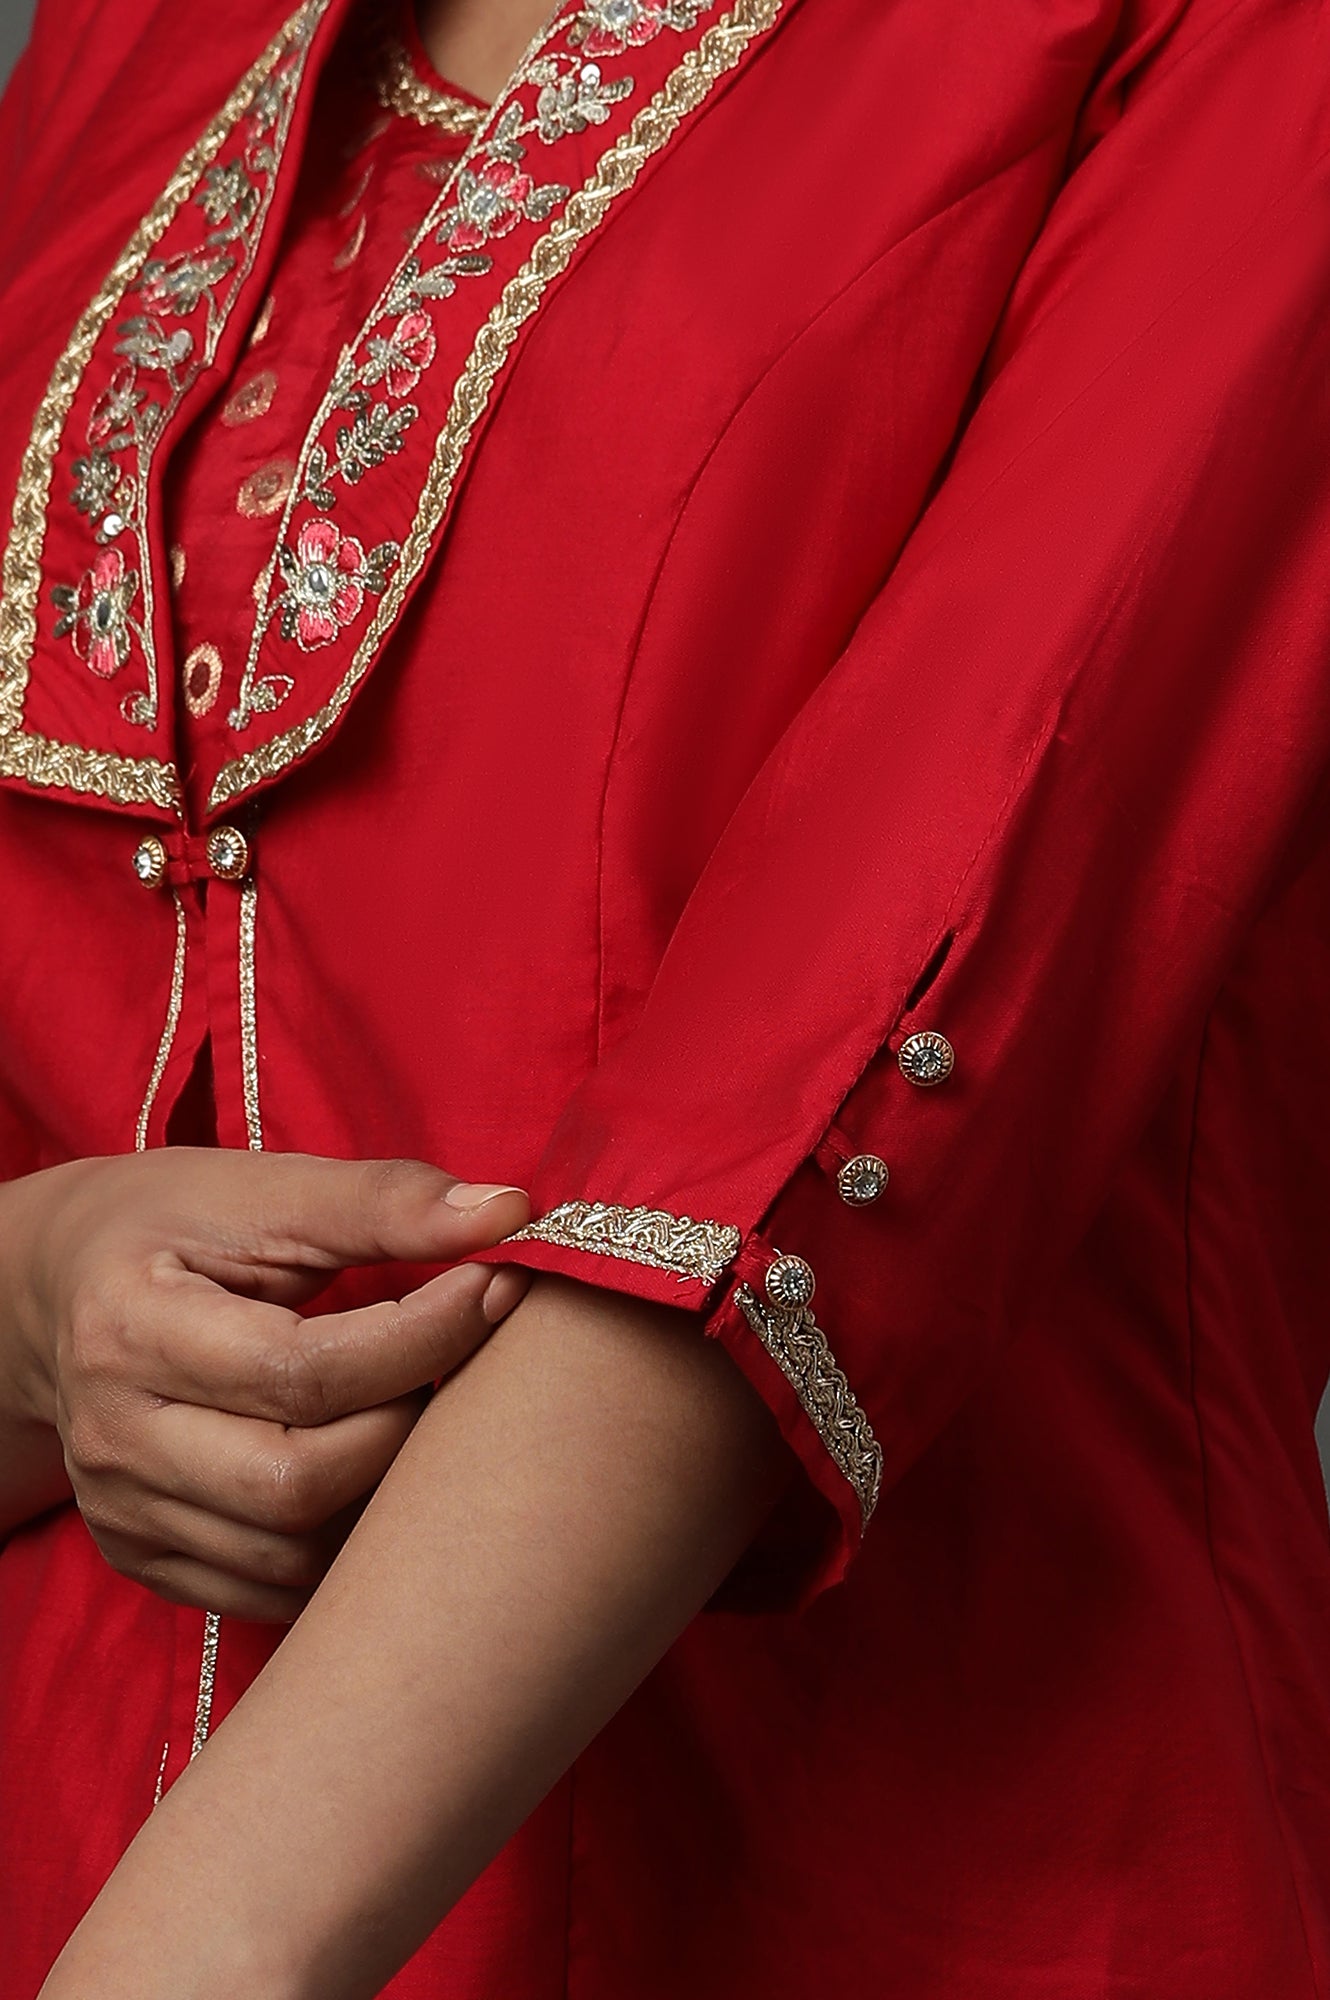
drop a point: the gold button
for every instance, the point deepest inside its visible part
(150, 861)
(926, 1059)
(791, 1284)
(228, 853)
(862, 1179)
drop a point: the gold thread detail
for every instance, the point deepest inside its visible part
(123, 780)
(650, 1236)
(718, 52)
(252, 401)
(400, 89)
(265, 491)
(161, 1773)
(201, 696)
(172, 1022)
(212, 1632)
(800, 1349)
(249, 1030)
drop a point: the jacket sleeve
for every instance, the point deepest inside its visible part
(964, 919)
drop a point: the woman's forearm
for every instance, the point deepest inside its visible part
(563, 1509)
(32, 1464)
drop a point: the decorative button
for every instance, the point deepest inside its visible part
(228, 853)
(150, 861)
(862, 1179)
(926, 1059)
(791, 1284)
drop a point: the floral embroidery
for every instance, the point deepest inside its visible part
(570, 103)
(178, 284)
(96, 478)
(716, 54)
(608, 27)
(326, 578)
(95, 614)
(560, 90)
(230, 198)
(401, 359)
(172, 318)
(489, 203)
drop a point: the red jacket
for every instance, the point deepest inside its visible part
(831, 671)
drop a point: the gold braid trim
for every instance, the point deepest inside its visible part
(400, 90)
(125, 780)
(800, 1349)
(718, 51)
(650, 1236)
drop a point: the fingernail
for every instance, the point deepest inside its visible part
(474, 1194)
(506, 1289)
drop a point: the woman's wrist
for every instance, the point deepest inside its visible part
(27, 1373)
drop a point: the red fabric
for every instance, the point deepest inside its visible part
(881, 590)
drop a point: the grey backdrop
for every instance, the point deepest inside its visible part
(14, 18)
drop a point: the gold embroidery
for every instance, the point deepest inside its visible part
(351, 249)
(263, 324)
(800, 1349)
(255, 399)
(202, 676)
(212, 1632)
(161, 1773)
(719, 50)
(399, 89)
(179, 564)
(650, 1236)
(173, 1006)
(265, 491)
(126, 780)
(249, 1032)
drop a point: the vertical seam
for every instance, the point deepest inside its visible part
(1203, 1461)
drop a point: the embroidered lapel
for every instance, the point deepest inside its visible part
(603, 89)
(82, 592)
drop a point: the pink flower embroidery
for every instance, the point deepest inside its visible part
(402, 359)
(96, 613)
(488, 204)
(325, 585)
(616, 25)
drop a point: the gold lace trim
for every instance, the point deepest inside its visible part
(400, 89)
(175, 1001)
(124, 780)
(800, 1349)
(650, 1236)
(688, 86)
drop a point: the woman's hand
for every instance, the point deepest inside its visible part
(218, 1444)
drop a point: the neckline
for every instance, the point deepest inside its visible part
(422, 65)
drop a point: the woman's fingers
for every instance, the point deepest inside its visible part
(289, 1482)
(188, 1340)
(181, 1578)
(294, 1212)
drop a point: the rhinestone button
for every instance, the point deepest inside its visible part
(926, 1059)
(791, 1284)
(228, 853)
(862, 1179)
(149, 862)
